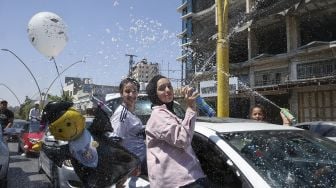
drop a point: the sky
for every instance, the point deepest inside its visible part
(100, 31)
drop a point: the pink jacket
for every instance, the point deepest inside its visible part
(171, 160)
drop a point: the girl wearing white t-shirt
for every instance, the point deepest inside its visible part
(127, 125)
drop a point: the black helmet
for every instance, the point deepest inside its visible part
(53, 110)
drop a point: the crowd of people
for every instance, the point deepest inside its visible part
(163, 147)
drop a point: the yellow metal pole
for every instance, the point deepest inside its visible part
(222, 56)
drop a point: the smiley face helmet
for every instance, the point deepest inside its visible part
(65, 123)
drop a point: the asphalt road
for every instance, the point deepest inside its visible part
(23, 170)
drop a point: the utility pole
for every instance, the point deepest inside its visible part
(131, 62)
(222, 59)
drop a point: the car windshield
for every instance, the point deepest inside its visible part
(34, 127)
(288, 158)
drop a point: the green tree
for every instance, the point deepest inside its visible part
(64, 97)
(29, 103)
(25, 107)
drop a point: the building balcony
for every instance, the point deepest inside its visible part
(188, 15)
(185, 44)
(205, 13)
(183, 6)
(181, 58)
(181, 35)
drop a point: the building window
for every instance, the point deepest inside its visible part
(316, 69)
(270, 77)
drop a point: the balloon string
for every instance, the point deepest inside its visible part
(58, 74)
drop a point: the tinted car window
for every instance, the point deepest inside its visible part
(288, 158)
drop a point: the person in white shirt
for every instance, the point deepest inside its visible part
(129, 127)
(34, 113)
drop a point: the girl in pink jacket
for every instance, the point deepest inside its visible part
(171, 160)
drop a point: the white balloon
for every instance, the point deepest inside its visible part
(47, 33)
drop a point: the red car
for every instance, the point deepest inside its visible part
(31, 133)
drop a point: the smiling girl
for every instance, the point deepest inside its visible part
(171, 160)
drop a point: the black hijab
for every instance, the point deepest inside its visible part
(152, 94)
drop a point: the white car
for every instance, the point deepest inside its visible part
(234, 153)
(245, 153)
(242, 153)
(4, 160)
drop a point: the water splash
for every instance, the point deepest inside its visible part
(207, 62)
(242, 85)
(255, 93)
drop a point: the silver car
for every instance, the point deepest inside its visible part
(4, 160)
(14, 132)
(64, 176)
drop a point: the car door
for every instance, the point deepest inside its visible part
(216, 165)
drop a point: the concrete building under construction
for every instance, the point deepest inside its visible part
(283, 51)
(143, 71)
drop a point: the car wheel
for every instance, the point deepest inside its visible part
(55, 179)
